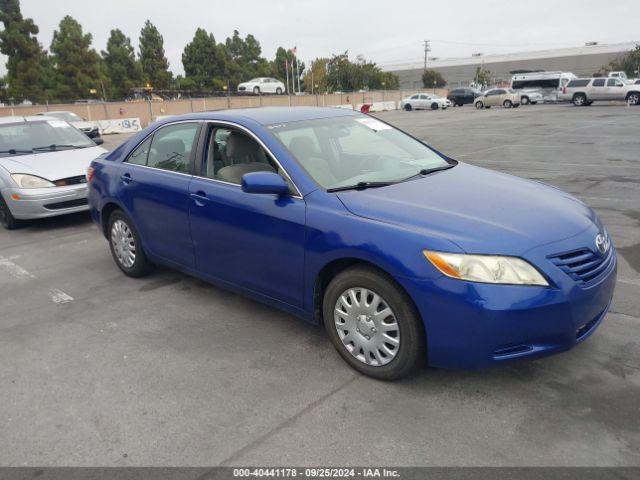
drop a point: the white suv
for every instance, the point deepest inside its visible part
(584, 91)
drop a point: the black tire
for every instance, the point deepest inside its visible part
(487, 107)
(633, 98)
(507, 104)
(434, 106)
(580, 100)
(7, 220)
(410, 354)
(278, 91)
(141, 265)
(479, 105)
(256, 90)
(407, 107)
(525, 100)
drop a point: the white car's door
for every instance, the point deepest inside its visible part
(598, 89)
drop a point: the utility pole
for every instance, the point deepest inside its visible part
(427, 49)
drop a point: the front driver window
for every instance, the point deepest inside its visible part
(172, 146)
(231, 153)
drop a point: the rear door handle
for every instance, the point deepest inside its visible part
(200, 198)
(126, 177)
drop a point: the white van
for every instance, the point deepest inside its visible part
(549, 84)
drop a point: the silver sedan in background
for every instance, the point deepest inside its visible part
(43, 168)
(424, 101)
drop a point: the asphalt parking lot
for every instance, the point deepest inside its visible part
(101, 369)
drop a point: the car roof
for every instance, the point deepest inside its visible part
(32, 118)
(268, 115)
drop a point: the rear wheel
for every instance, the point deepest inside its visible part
(373, 324)
(633, 98)
(407, 107)
(507, 104)
(479, 105)
(126, 247)
(580, 99)
(7, 220)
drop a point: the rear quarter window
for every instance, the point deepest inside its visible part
(577, 83)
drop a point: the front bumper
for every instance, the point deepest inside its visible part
(472, 325)
(33, 203)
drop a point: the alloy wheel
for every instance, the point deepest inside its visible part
(367, 326)
(123, 243)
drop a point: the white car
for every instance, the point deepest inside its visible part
(43, 168)
(423, 101)
(261, 85)
(531, 97)
(90, 129)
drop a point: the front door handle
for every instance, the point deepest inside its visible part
(126, 178)
(199, 198)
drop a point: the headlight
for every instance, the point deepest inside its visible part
(486, 268)
(30, 181)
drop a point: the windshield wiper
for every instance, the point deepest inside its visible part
(56, 146)
(14, 151)
(360, 186)
(427, 171)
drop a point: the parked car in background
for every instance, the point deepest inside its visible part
(463, 96)
(584, 91)
(621, 75)
(91, 130)
(262, 85)
(423, 101)
(343, 220)
(495, 97)
(549, 84)
(531, 97)
(43, 166)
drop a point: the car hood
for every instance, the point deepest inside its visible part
(53, 165)
(480, 210)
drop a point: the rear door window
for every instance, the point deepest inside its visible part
(599, 82)
(172, 147)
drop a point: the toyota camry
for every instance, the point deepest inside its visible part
(406, 256)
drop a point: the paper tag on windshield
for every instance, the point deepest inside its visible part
(373, 124)
(58, 124)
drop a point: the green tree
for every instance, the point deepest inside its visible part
(432, 78)
(279, 65)
(243, 59)
(482, 77)
(155, 65)
(318, 75)
(343, 74)
(629, 63)
(205, 62)
(122, 69)
(27, 61)
(77, 69)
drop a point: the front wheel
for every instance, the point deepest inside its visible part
(434, 106)
(507, 104)
(479, 105)
(278, 91)
(373, 324)
(633, 98)
(126, 247)
(256, 90)
(525, 100)
(7, 220)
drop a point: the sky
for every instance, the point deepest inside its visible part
(391, 33)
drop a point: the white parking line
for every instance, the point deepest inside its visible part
(13, 269)
(59, 297)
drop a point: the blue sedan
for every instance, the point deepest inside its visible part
(404, 255)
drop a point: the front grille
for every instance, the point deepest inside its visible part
(79, 202)
(583, 265)
(80, 179)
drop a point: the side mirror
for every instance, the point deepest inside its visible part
(98, 141)
(265, 183)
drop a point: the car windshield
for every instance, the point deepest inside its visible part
(345, 151)
(24, 137)
(67, 116)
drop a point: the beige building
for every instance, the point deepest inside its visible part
(582, 61)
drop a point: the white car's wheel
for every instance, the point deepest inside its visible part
(525, 100)
(479, 105)
(256, 90)
(278, 91)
